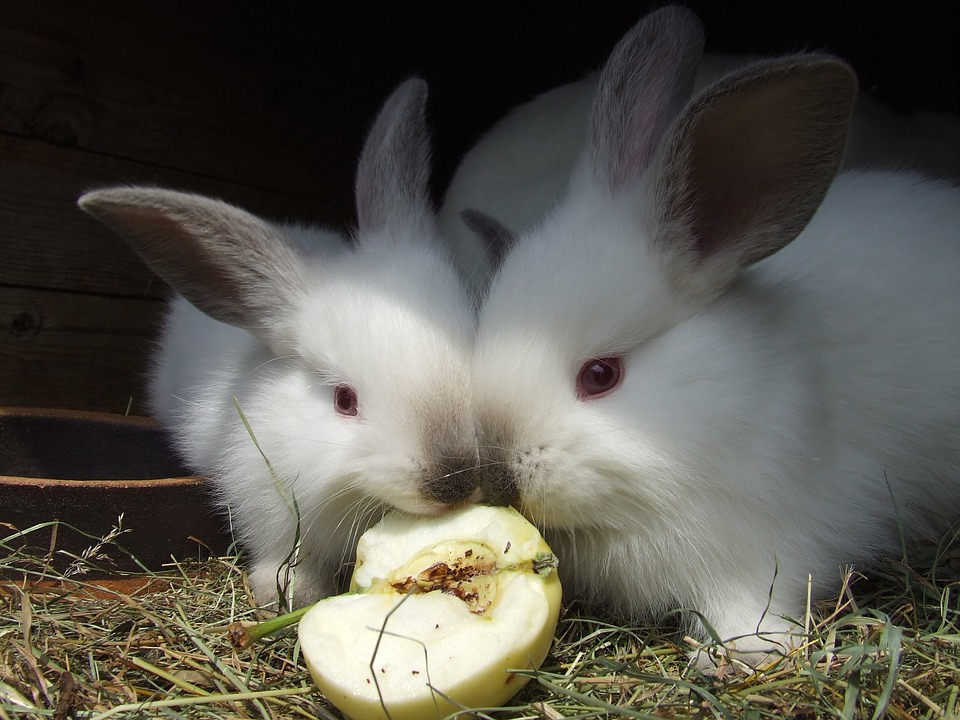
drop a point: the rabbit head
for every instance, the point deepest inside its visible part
(662, 214)
(318, 383)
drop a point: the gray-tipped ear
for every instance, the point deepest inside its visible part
(497, 238)
(748, 163)
(393, 175)
(643, 85)
(229, 263)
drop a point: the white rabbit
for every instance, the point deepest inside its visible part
(712, 370)
(351, 364)
(521, 166)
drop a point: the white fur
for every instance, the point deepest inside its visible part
(387, 316)
(395, 325)
(791, 423)
(758, 433)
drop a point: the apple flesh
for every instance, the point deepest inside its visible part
(440, 610)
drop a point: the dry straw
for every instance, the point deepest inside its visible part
(156, 645)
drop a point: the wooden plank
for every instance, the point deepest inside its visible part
(78, 309)
(104, 80)
(47, 242)
(72, 350)
(273, 94)
(277, 96)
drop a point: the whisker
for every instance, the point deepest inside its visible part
(290, 356)
(454, 473)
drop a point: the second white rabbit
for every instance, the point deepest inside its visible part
(716, 368)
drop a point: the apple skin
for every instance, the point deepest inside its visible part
(383, 646)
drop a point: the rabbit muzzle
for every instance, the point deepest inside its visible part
(497, 477)
(452, 480)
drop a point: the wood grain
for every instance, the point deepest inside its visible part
(46, 241)
(74, 350)
(171, 96)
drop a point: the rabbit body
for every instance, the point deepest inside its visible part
(712, 371)
(319, 383)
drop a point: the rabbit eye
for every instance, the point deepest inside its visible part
(599, 376)
(345, 400)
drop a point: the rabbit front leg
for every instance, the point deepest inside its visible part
(273, 573)
(751, 633)
(282, 561)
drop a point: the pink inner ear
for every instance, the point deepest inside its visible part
(394, 168)
(735, 172)
(646, 126)
(758, 159)
(644, 84)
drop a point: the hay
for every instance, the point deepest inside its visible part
(157, 645)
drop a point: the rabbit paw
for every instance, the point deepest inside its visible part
(299, 587)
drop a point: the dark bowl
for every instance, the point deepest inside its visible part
(84, 470)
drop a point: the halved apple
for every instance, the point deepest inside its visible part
(441, 610)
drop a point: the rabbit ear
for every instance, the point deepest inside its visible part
(644, 84)
(748, 163)
(392, 187)
(230, 264)
(496, 237)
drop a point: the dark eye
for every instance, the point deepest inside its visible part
(345, 400)
(598, 376)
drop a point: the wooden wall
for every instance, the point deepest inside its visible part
(266, 104)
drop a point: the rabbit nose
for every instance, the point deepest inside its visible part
(499, 486)
(454, 481)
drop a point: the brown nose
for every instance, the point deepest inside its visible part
(452, 481)
(498, 482)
